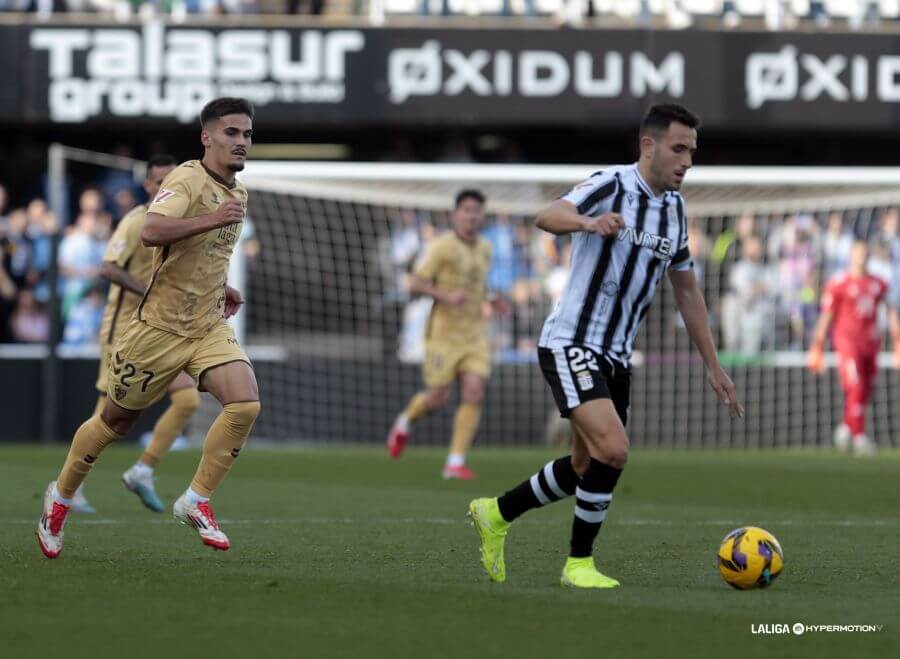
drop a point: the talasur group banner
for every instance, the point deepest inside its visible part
(71, 73)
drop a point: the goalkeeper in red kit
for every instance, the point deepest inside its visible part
(851, 301)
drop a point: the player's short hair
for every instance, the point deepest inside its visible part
(161, 160)
(660, 117)
(469, 193)
(226, 105)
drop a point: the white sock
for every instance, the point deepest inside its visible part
(454, 460)
(403, 423)
(54, 493)
(142, 469)
(195, 498)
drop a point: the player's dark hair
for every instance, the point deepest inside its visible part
(161, 160)
(469, 193)
(659, 117)
(226, 105)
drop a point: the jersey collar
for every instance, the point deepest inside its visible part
(218, 179)
(644, 187)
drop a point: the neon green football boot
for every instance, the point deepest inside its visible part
(581, 573)
(491, 527)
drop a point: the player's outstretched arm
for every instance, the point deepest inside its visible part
(561, 217)
(421, 286)
(113, 273)
(696, 319)
(816, 358)
(163, 230)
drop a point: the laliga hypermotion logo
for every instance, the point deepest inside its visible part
(173, 72)
(778, 77)
(433, 70)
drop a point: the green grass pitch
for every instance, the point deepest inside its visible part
(343, 553)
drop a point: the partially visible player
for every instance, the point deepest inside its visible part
(195, 221)
(454, 273)
(851, 301)
(128, 265)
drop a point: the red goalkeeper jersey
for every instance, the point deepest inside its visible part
(854, 301)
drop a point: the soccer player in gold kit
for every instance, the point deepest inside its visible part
(194, 223)
(128, 265)
(454, 273)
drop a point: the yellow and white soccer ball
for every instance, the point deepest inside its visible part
(750, 557)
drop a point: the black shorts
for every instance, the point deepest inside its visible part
(577, 374)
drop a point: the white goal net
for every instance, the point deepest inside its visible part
(337, 339)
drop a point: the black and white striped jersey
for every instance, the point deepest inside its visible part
(612, 280)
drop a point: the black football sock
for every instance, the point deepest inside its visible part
(556, 480)
(593, 496)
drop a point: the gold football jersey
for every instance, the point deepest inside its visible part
(453, 264)
(126, 251)
(186, 295)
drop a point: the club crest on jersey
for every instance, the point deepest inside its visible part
(662, 246)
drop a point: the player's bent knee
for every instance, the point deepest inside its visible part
(187, 399)
(580, 462)
(473, 393)
(438, 398)
(241, 416)
(118, 419)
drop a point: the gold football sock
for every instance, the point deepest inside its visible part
(90, 439)
(465, 423)
(101, 403)
(224, 441)
(417, 407)
(184, 403)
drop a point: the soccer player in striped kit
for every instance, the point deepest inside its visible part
(628, 229)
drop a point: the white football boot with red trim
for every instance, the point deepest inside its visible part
(50, 527)
(202, 518)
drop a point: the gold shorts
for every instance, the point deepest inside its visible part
(445, 361)
(145, 360)
(102, 380)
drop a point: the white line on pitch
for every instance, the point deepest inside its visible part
(452, 521)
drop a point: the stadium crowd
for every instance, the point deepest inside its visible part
(679, 14)
(762, 275)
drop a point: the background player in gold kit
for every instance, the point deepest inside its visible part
(454, 273)
(195, 221)
(128, 265)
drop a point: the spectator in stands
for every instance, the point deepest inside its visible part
(890, 231)
(29, 323)
(80, 259)
(699, 246)
(42, 226)
(84, 318)
(836, 244)
(748, 309)
(123, 201)
(727, 245)
(17, 250)
(7, 294)
(312, 7)
(502, 236)
(91, 202)
(397, 252)
(797, 257)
